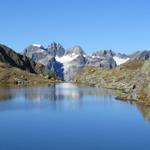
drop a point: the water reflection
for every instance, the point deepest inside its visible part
(5, 94)
(58, 97)
(53, 92)
(145, 110)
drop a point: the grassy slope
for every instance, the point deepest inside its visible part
(10, 76)
(132, 77)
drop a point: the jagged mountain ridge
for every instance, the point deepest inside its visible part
(140, 55)
(67, 62)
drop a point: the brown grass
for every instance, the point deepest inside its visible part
(8, 76)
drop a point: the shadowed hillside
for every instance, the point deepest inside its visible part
(18, 69)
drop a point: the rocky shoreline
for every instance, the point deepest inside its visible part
(131, 78)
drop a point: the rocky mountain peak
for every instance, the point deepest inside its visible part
(76, 50)
(104, 53)
(35, 52)
(123, 56)
(56, 49)
(140, 55)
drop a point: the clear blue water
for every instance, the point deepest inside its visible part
(67, 117)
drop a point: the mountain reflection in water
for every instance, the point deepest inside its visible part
(52, 92)
(51, 95)
(34, 97)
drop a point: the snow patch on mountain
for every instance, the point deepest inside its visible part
(66, 60)
(37, 45)
(120, 60)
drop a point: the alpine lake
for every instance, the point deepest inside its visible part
(65, 116)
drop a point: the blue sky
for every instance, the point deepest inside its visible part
(121, 25)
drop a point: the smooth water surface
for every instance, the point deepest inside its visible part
(67, 117)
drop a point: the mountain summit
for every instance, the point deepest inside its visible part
(55, 49)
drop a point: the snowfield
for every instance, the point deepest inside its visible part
(120, 61)
(65, 60)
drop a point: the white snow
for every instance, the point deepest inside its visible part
(95, 56)
(119, 60)
(36, 45)
(73, 54)
(40, 51)
(65, 60)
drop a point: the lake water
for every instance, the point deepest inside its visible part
(67, 117)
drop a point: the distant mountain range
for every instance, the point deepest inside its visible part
(128, 73)
(67, 62)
